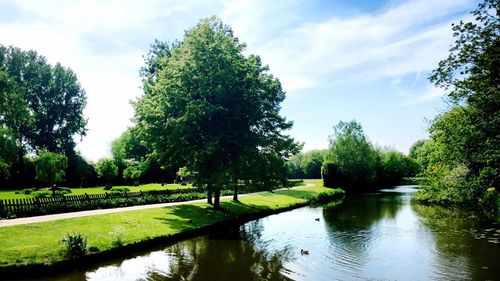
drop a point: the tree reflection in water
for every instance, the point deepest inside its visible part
(230, 254)
(462, 237)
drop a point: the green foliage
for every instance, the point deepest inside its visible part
(133, 171)
(184, 172)
(8, 151)
(353, 155)
(306, 165)
(328, 196)
(42, 194)
(353, 163)
(107, 169)
(330, 174)
(210, 108)
(462, 158)
(26, 191)
(415, 149)
(50, 167)
(79, 173)
(395, 166)
(44, 102)
(118, 189)
(75, 245)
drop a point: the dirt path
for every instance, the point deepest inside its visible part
(11, 222)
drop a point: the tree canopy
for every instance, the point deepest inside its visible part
(107, 169)
(41, 103)
(210, 108)
(465, 139)
(50, 167)
(353, 155)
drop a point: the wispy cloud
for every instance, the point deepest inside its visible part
(430, 93)
(406, 38)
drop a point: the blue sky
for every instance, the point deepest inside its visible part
(337, 60)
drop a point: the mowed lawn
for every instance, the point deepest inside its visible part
(41, 242)
(11, 194)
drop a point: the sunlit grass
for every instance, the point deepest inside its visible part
(40, 242)
(11, 194)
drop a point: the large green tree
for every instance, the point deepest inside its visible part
(50, 167)
(107, 170)
(467, 137)
(210, 108)
(46, 101)
(353, 156)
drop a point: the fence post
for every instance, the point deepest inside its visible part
(2, 209)
(87, 197)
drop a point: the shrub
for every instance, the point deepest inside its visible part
(41, 194)
(26, 191)
(329, 173)
(93, 249)
(62, 190)
(75, 245)
(325, 197)
(119, 189)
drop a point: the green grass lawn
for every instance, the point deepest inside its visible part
(11, 194)
(40, 242)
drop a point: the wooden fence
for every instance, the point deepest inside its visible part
(26, 206)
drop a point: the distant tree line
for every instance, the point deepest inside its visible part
(352, 162)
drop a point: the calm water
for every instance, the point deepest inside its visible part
(380, 236)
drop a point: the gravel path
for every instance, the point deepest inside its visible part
(11, 222)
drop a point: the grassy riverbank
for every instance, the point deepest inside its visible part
(39, 243)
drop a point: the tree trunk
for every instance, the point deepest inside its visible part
(209, 194)
(217, 199)
(235, 195)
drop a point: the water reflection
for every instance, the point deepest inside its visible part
(463, 240)
(230, 254)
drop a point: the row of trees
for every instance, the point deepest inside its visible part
(352, 162)
(461, 160)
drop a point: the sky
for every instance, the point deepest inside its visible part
(336, 59)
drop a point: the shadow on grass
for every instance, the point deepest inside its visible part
(185, 217)
(190, 216)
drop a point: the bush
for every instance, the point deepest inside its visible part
(26, 191)
(63, 190)
(325, 197)
(41, 194)
(119, 189)
(108, 187)
(329, 173)
(75, 245)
